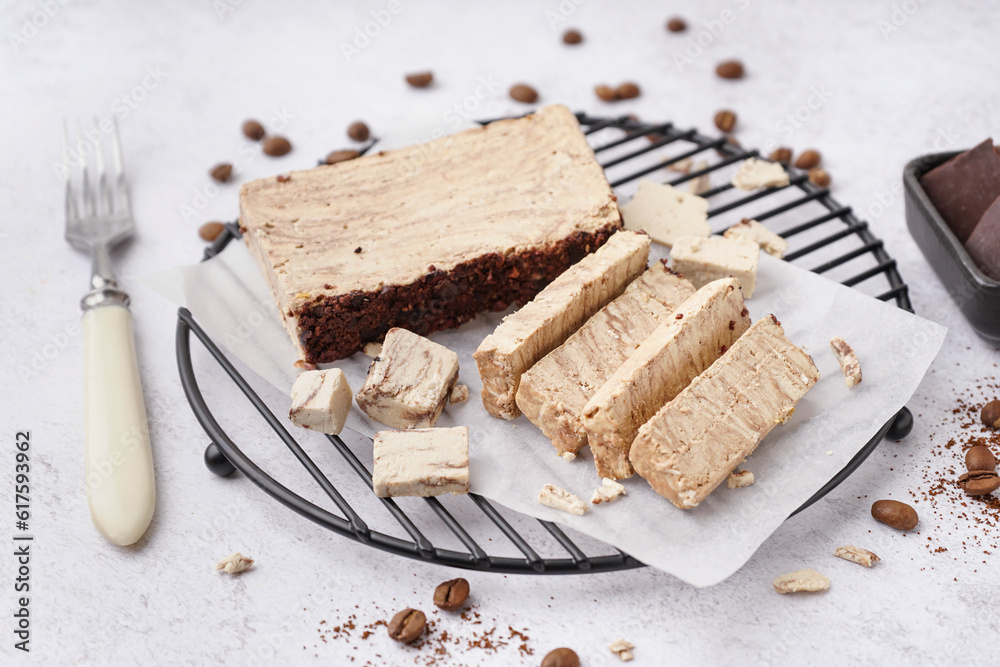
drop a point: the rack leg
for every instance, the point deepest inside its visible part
(217, 462)
(901, 426)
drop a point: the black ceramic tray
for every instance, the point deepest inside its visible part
(824, 236)
(975, 293)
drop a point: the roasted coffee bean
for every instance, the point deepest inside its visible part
(808, 159)
(277, 146)
(407, 625)
(606, 93)
(725, 120)
(782, 155)
(522, 92)
(627, 91)
(211, 230)
(420, 79)
(342, 156)
(979, 482)
(283, 178)
(730, 69)
(253, 130)
(221, 172)
(561, 657)
(980, 457)
(358, 131)
(991, 414)
(819, 177)
(894, 513)
(451, 594)
(677, 24)
(572, 37)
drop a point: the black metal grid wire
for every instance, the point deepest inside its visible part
(640, 147)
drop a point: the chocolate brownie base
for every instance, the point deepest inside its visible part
(335, 327)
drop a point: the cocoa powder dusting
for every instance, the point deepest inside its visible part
(447, 638)
(965, 527)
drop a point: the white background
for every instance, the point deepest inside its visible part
(924, 81)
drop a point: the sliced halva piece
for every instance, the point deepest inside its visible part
(701, 330)
(410, 381)
(702, 260)
(421, 462)
(556, 312)
(666, 213)
(321, 400)
(754, 174)
(692, 444)
(751, 230)
(553, 393)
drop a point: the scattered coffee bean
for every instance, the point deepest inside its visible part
(991, 414)
(451, 594)
(627, 91)
(358, 131)
(725, 120)
(561, 657)
(420, 79)
(253, 130)
(572, 37)
(357, 251)
(979, 482)
(407, 625)
(221, 172)
(979, 457)
(606, 93)
(283, 178)
(211, 230)
(782, 155)
(342, 156)
(677, 24)
(277, 146)
(522, 92)
(730, 69)
(819, 177)
(808, 159)
(894, 513)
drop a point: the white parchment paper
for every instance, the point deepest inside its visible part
(510, 461)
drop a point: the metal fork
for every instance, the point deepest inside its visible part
(120, 486)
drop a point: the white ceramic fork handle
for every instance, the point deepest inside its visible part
(120, 487)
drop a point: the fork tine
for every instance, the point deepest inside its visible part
(88, 197)
(121, 187)
(71, 215)
(103, 192)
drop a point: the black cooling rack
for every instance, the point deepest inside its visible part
(817, 226)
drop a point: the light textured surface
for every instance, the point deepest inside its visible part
(421, 462)
(703, 260)
(661, 366)
(751, 230)
(553, 315)
(666, 213)
(689, 446)
(917, 88)
(553, 392)
(410, 381)
(321, 400)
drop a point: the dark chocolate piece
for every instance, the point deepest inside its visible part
(984, 244)
(963, 188)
